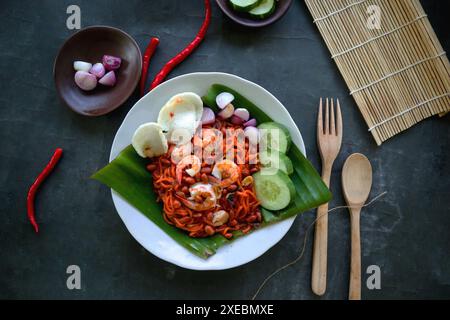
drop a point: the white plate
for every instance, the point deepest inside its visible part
(238, 252)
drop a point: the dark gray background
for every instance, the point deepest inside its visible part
(405, 233)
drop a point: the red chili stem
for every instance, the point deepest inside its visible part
(151, 48)
(180, 57)
(35, 186)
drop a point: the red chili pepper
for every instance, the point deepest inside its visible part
(180, 57)
(151, 48)
(35, 186)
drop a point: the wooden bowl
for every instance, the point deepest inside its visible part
(90, 44)
(245, 20)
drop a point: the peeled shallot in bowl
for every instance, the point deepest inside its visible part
(111, 62)
(85, 80)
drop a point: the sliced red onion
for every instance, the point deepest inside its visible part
(85, 81)
(227, 112)
(98, 70)
(242, 113)
(250, 123)
(111, 62)
(108, 79)
(224, 99)
(82, 66)
(236, 120)
(252, 134)
(208, 116)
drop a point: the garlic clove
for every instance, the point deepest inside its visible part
(82, 66)
(227, 112)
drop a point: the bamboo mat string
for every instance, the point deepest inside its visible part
(378, 37)
(339, 11)
(390, 96)
(305, 240)
(397, 72)
(408, 110)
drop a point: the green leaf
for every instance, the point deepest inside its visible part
(127, 175)
(311, 191)
(210, 100)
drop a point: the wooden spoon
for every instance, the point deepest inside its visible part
(356, 184)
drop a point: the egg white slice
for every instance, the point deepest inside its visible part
(180, 117)
(149, 140)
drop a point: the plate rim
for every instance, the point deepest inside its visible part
(115, 196)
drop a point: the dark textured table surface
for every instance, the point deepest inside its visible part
(405, 233)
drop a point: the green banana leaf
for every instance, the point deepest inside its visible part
(127, 175)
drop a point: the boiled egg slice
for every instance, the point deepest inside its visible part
(180, 117)
(149, 140)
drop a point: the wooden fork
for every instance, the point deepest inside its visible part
(329, 138)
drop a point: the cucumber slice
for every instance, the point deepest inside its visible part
(274, 136)
(264, 10)
(273, 189)
(276, 159)
(244, 5)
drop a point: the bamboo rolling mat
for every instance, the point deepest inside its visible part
(398, 74)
